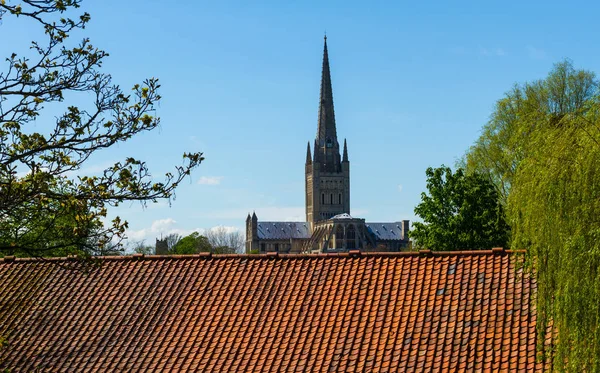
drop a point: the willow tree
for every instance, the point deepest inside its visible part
(555, 210)
(506, 139)
(541, 148)
(43, 210)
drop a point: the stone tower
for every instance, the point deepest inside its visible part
(327, 173)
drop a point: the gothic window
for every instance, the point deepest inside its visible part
(331, 198)
(277, 247)
(339, 237)
(351, 232)
(262, 247)
(351, 236)
(329, 143)
(322, 198)
(340, 198)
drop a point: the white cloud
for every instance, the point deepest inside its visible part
(536, 53)
(228, 229)
(161, 227)
(400, 187)
(210, 180)
(138, 235)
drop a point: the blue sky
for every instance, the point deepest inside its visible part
(413, 84)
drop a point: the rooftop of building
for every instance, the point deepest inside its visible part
(285, 230)
(469, 310)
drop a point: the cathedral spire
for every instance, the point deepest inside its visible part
(326, 129)
(308, 156)
(345, 157)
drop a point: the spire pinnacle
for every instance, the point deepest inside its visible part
(326, 128)
(345, 157)
(308, 156)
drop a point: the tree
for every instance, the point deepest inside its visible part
(505, 139)
(554, 209)
(192, 244)
(43, 211)
(140, 247)
(461, 212)
(542, 148)
(225, 241)
(172, 240)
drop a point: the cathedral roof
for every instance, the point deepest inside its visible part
(282, 230)
(353, 312)
(386, 231)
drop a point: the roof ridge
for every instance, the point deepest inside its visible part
(354, 253)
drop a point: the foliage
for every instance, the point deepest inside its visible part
(461, 212)
(225, 241)
(192, 244)
(44, 210)
(555, 214)
(505, 139)
(217, 241)
(140, 247)
(172, 240)
(541, 148)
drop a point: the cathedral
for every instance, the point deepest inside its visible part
(329, 227)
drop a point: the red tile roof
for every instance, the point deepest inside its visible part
(464, 311)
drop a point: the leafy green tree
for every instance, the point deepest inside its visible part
(506, 139)
(554, 207)
(192, 244)
(541, 148)
(44, 211)
(461, 212)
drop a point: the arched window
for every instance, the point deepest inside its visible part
(339, 237)
(331, 199)
(322, 198)
(340, 198)
(351, 236)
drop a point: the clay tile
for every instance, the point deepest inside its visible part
(9, 258)
(137, 256)
(205, 254)
(272, 254)
(425, 252)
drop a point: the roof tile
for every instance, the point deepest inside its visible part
(381, 312)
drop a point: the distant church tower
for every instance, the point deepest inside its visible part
(327, 174)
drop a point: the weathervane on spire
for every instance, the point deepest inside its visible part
(325, 37)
